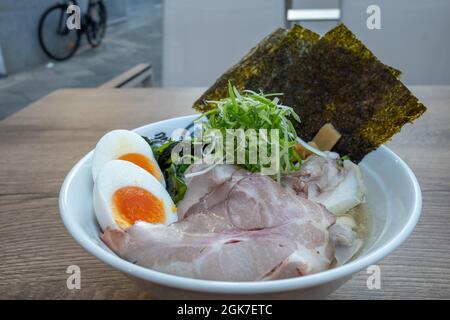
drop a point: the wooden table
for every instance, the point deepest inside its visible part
(39, 145)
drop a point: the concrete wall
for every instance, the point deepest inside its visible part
(202, 38)
(18, 30)
(320, 27)
(117, 9)
(415, 36)
(2, 64)
(18, 33)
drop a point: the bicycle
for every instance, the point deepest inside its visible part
(58, 41)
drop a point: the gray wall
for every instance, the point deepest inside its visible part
(415, 36)
(18, 33)
(18, 30)
(320, 27)
(117, 9)
(202, 38)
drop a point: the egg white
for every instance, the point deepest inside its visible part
(117, 174)
(117, 143)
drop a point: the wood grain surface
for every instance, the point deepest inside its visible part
(40, 144)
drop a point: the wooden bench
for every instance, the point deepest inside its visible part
(138, 76)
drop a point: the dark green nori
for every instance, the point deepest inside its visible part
(173, 173)
(354, 91)
(335, 79)
(265, 64)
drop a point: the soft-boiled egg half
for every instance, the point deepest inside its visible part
(128, 146)
(125, 193)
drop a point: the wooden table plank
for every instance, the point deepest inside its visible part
(40, 144)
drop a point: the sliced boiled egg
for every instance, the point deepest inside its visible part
(124, 193)
(128, 146)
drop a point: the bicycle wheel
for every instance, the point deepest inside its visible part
(96, 20)
(56, 40)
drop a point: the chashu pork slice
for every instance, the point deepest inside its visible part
(217, 194)
(260, 231)
(339, 187)
(199, 185)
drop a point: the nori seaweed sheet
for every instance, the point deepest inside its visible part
(330, 79)
(276, 55)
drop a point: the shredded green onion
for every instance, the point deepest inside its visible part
(251, 110)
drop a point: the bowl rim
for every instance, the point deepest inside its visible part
(233, 287)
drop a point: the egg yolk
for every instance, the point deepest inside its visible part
(131, 204)
(143, 162)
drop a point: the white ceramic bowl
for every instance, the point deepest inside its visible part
(393, 198)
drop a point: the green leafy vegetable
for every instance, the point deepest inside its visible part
(173, 173)
(246, 110)
(341, 160)
(252, 110)
(174, 181)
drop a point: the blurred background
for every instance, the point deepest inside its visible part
(191, 42)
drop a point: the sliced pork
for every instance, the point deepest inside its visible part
(346, 239)
(201, 184)
(338, 186)
(217, 194)
(253, 229)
